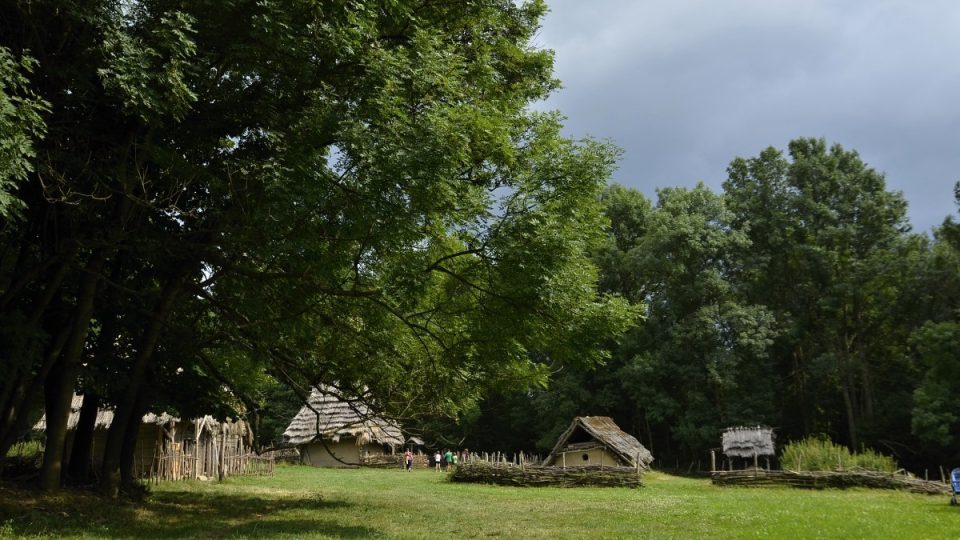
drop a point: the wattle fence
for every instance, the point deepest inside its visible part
(210, 459)
(829, 479)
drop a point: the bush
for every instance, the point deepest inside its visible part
(821, 454)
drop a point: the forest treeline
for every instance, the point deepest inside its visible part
(796, 298)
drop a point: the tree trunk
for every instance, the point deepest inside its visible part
(131, 435)
(23, 408)
(12, 390)
(59, 385)
(58, 395)
(126, 407)
(867, 383)
(81, 457)
(851, 417)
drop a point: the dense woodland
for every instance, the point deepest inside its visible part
(208, 206)
(797, 298)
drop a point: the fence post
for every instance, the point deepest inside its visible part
(223, 448)
(713, 461)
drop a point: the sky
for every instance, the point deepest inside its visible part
(685, 86)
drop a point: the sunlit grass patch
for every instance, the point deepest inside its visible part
(303, 502)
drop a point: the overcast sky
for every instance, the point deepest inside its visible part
(684, 86)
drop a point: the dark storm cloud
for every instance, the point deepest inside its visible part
(686, 86)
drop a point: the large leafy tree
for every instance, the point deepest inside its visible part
(699, 361)
(830, 257)
(316, 191)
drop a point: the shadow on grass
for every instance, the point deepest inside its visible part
(174, 514)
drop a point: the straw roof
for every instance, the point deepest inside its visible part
(105, 418)
(604, 431)
(416, 441)
(745, 442)
(327, 416)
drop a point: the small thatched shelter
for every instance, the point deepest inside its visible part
(332, 431)
(748, 442)
(597, 440)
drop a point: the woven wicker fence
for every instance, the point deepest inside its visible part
(538, 476)
(829, 479)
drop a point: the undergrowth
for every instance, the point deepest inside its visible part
(821, 454)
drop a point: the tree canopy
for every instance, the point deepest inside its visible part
(216, 194)
(797, 298)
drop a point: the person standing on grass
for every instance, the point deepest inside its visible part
(408, 458)
(447, 460)
(437, 458)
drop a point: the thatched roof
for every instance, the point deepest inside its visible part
(105, 418)
(747, 442)
(327, 416)
(415, 441)
(602, 430)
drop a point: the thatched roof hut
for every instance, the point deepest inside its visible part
(597, 439)
(105, 419)
(331, 430)
(747, 442)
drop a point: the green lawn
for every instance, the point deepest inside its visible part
(301, 502)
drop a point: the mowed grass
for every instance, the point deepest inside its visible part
(303, 502)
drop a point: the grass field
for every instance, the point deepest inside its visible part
(301, 502)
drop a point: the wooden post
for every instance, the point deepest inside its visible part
(755, 466)
(223, 447)
(196, 448)
(601, 460)
(638, 466)
(563, 455)
(713, 461)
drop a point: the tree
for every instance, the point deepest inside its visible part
(21, 124)
(697, 362)
(935, 343)
(830, 258)
(333, 193)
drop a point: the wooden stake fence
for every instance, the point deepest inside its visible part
(211, 458)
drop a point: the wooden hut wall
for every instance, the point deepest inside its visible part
(319, 455)
(595, 456)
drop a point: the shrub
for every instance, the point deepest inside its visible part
(821, 454)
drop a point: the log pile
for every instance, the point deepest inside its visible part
(539, 476)
(829, 479)
(382, 461)
(387, 461)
